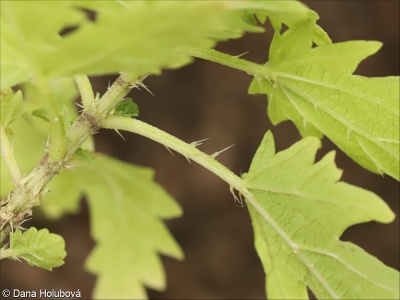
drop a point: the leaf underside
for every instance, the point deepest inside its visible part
(315, 89)
(140, 37)
(123, 198)
(297, 224)
(299, 211)
(126, 208)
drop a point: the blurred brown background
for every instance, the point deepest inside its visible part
(205, 100)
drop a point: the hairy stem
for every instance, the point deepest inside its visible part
(85, 89)
(256, 70)
(188, 150)
(17, 206)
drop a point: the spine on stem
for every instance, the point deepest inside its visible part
(188, 150)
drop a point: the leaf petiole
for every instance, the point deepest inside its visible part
(251, 68)
(85, 89)
(187, 150)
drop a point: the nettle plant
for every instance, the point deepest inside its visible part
(299, 208)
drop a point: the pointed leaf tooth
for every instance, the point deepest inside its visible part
(300, 209)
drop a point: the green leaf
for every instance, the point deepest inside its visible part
(127, 108)
(138, 36)
(39, 248)
(142, 39)
(126, 208)
(278, 283)
(11, 106)
(315, 88)
(288, 12)
(26, 41)
(299, 210)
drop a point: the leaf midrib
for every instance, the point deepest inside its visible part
(337, 117)
(250, 198)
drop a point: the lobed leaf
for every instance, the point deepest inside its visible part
(288, 12)
(26, 40)
(126, 206)
(135, 36)
(315, 88)
(39, 248)
(299, 210)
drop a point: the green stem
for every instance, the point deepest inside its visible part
(17, 206)
(57, 136)
(85, 89)
(188, 150)
(8, 156)
(256, 70)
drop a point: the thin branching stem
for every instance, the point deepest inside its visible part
(235, 62)
(17, 206)
(186, 149)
